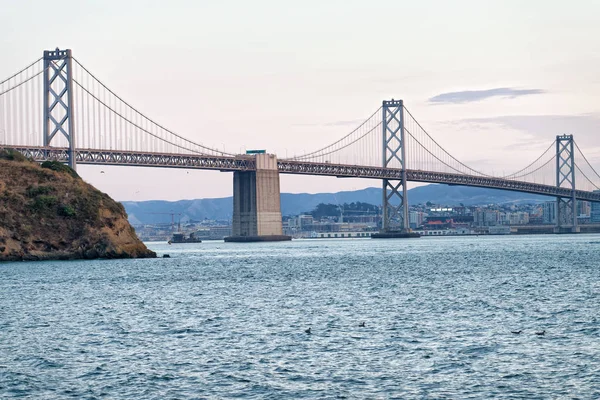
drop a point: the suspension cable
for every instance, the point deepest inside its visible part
(513, 175)
(436, 157)
(22, 83)
(343, 147)
(145, 130)
(21, 71)
(338, 141)
(30, 78)
(144, 116)
(583, 155)
(518, 172)
(444, 150)
(533, 171)
(585, 176)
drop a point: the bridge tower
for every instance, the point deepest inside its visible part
(566, 208)
(395, 203)
(58, 99)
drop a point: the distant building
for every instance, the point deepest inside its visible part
(215, 232)
(415, 219)
(518, 218)
(595, 211)
(463, 230)
(503, 218)
(535, 219)
(437, 223)
(463, 219)
(485, 217)
(301, 221)
(583, 209)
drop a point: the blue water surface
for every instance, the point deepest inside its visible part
(228, 320)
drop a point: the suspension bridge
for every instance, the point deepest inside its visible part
(56, 109)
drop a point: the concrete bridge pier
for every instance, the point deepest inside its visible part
(256, 203)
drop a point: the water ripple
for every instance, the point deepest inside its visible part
(219, 320)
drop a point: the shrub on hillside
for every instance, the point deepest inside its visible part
(33, 191)
(65, 210)
(60, 167)
(43, 203)
(12, 155)
(87, 207)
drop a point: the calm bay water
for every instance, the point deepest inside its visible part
(221, 320)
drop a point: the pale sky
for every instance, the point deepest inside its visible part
(493, 81)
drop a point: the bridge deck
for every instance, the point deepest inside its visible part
(246, 163)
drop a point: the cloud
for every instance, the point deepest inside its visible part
(542, 129)
(468, 96)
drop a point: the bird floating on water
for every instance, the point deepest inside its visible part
(307, 330)
(362, 324)
(516, 332)
(542, 333)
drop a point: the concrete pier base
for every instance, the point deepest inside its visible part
(256, 203)
(265, 238)
(395, 235)
(567, 229)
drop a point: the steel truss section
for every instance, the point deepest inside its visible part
(395, 203)
(140, 159)
(566, 207)
(58, 99)
(247, 163)
(498, 183)
(357, 171)
(338, 170)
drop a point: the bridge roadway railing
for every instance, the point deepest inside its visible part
(246, 163)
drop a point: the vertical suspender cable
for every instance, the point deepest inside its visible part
(22, 103)
(28, 108)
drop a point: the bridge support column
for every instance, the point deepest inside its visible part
(566, 208)
(256, 203)
(58, 99)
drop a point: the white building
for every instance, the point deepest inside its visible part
(300, 221)
(504, 218)
(415, 219)
(518, 218)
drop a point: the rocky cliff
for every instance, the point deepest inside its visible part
(48, 212)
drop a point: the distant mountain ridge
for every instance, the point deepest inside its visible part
(157, 211)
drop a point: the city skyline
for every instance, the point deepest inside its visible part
(292, 80)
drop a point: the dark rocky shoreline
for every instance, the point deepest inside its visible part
(47, 212)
